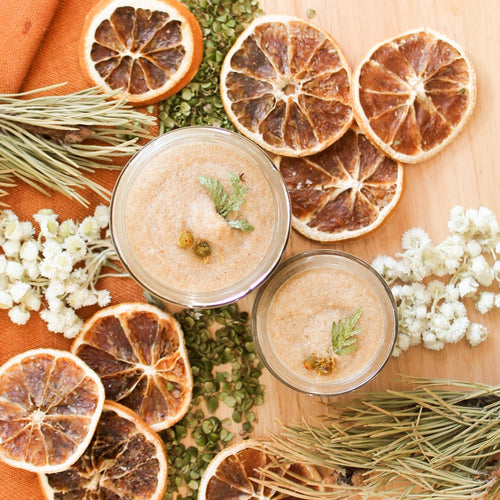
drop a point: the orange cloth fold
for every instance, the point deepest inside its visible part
(30, 60)
(24, 24)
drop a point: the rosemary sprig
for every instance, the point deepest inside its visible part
(426, 442)
(44, 140)
(344, 334)
(224, 202)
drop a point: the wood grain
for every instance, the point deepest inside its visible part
(462, 174)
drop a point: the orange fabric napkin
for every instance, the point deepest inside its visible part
(30, 60)
(23, 25)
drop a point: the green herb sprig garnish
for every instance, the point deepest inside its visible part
(344, 334)
(225, 202)
(343, 342)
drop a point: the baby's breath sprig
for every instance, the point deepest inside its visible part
(50, 142)
(430, 282)
(57, 271)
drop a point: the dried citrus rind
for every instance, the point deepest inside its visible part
(285, 84)
(343, 192)
(138, 351)
(231, 474)
(50, 403)
(125, 460)
(149, 49)
(412, 94)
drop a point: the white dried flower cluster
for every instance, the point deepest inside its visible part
(55, 272)
(430, 282)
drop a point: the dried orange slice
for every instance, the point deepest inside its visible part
(126, 459)
(285, 84)
(50, 403)
(412, 94)
(138, 351)
(233, 471)
(345, 191)
(148, 48)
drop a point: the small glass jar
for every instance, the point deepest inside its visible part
(301, 298)
(158, 196)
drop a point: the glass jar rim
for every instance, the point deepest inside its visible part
(279, 238)
(310, 260)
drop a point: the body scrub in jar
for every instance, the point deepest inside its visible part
(200, 216)
(325, 323)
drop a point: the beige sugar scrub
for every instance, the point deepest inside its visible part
(200, 216)
(301, 316)
(325, 323)
(178, 204)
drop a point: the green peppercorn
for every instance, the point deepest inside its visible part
(323, 366)
(202, 249)
(326, 366)
(185, 239)
(310, 363)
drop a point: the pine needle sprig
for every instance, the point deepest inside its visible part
(439, 440)
(6, 183)
(51, 141)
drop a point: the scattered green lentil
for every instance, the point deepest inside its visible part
(225, 371)
(310, 13)
(199, 103)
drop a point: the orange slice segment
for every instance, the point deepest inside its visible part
(412, 94)
(138, 351)
(50, 403)
(149, 49)
(233, 471)
(285, 84)
(344, 192)
(125, 460)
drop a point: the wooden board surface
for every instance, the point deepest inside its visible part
(462, 174)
